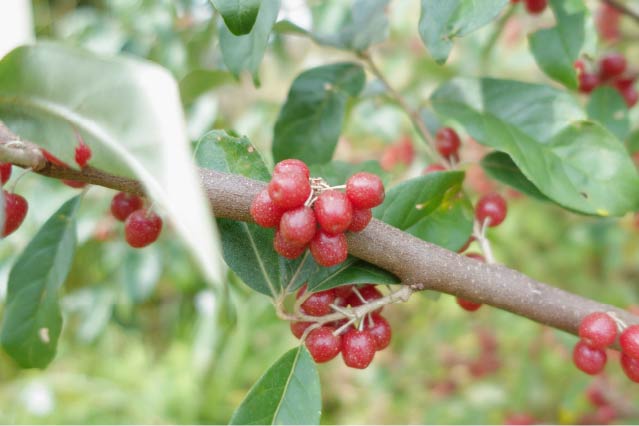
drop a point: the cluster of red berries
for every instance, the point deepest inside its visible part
(356, 344)
(597, 331)
(15, 206)
(309, 214)
(534, 7)
(141, 225)
(611, 71)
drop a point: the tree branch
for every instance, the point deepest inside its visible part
(623, 9)
(428, 266)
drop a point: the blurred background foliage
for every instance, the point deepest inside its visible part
(146, 342)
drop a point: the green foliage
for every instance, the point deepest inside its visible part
(239, 15)
(498, 165)
(607, 107)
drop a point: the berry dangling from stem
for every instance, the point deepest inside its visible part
(15, 210)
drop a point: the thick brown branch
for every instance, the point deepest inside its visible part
(623, 9)
(416, 262)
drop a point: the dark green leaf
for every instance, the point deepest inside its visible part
(310, 121)
(239, 15)
(608, 108)
(577, 164)
(287, 394)
(351, 271)
(499, 166)
(442, 21)
(32, 319)
(245, 52)
(198, 82)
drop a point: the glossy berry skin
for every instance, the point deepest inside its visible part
(588, 82)
(5, 173)
(333, 211)
(433, 168)
(292, 165)
(142, 227)
(630, 366)
(322, 344)
(123, 204)
(344, 291)
(318, 304)
(467, 305)
(590, 361)
(447, 142)
(74, 183)
(380, 329)
(612, 65)
(361, 219)
(264, 211)
(358, 348)
(598, 330)
(289, 190)
(329, 250)
(536, 6)
(629, 341)
(299, 327)
(365, 190)
(492, 207)
(298, 225)
(287, 249)
(15, 210)
(368, 292)
(82, 154)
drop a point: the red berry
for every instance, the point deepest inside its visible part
(318, 304)
(492, 207)
(433, 168)
(598, 330)
(358, 348)
(630, 366)
(289, 190)
(536, 6)
(612, 65)
(361, 219)
(142, 227)
(74, 183)
(588, 82)
(401, 152)
(323, 344)
(264, 211)
(298, 225)
(292, 165)
(333, 211)
(365, 190)
(344, 291)
(624, 82)
(467, 304)
(123, 204)
(630, 95)
(329, 250)
(629, 341)
(82, 154)
(287, 249)
(15, 210)
(380, 329)
(299, 327)
(579, 65)
(590, 361)
(447, 142)
(607, 22)
(368, 292)
(5, 173)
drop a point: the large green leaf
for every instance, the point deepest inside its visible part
(287, 394)
(239, 15)
(499, 165)
(442, 21)
(608, 108)
(430, 207)
(577, 164)
(245, 52)
(32, 319)
(129, 112)
(556, 49)
(310, 121)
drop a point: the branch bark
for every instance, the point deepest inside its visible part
(416, 262)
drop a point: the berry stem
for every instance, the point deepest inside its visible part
(479, 232)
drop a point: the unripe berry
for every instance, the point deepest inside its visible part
(123, 204)
(630, 366)
(299, 327)
(369, 293)
(287, 249)
(536, 6)
(629, 341)
(598, 330)
(142, 227)
(590, 361)
(322, 344)
(361, 219)
(329, 250)
(447, 142)
(15, 210)
(289, 190)
(467, 304)
(5, 173)
(612, 65)
(365, 190)
(298, 225)
(82, 154)
(333, 211)
(358, 348)
(292, 165)
(264, 211)
(318, 304)
(380, 329)
(492, 207)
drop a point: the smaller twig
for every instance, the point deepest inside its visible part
(479, 232)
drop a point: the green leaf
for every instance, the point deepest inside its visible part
(337, 172)
(129, 112)
(577, 164)
(198, 82)
(351, 271)
(556, 49)
(608, 108)
(500, 166)
(239, 15)
(430, 207)
(442, 21)
(287, 394)
(310, 121)
(245, 52)
(32, 319)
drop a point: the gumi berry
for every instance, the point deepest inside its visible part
(611, 70)
(5, 173)
(309, 214)
(142, 227)
(15, 210)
